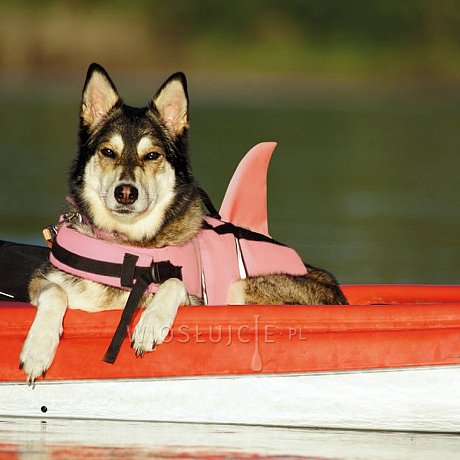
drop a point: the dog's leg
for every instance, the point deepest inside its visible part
(43, 338)
(159, 315)
(317, 288)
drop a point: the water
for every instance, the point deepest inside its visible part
(97, 439)
(363, 183)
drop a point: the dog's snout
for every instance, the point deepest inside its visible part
(126, 194)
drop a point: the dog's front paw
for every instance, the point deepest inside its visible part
(151, 330)
(158, 317)
(38, 353)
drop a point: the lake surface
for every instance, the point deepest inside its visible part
(363, 182)
(98, 439)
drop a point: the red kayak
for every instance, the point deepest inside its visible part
(390, 360)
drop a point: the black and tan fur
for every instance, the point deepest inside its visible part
(132, 179)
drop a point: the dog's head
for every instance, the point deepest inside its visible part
(133, 162)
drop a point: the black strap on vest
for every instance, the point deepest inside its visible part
(127, 271)
(208, 203)
(142, 283)
(131, 276)
(240, 233)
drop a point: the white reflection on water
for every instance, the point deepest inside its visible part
(33, 438)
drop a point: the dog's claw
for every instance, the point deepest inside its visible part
(32, 380)
(139, 353)
(140, 350)
(21, 365)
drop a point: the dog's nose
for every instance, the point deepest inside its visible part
(126, 194)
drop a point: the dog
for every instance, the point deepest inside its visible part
(132, 182)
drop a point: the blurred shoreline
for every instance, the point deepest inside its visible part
(325, 43)
(256, 90)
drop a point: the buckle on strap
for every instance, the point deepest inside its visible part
(162, 271)
(158, 271)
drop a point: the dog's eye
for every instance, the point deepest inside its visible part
(109, 153)
(152, 156)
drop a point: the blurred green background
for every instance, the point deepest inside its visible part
(362, 97)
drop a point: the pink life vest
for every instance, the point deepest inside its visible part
(208, 264)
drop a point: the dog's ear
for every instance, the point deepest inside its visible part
(171, 102)
(99, 96)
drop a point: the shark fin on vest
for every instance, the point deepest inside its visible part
(245, 202)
